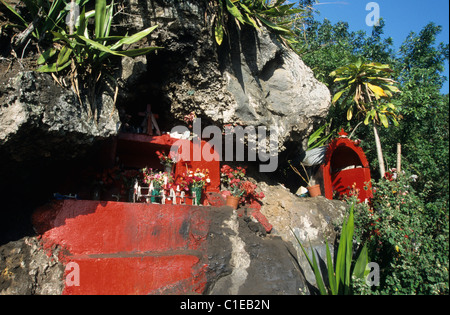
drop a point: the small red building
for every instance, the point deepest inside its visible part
(346, 169)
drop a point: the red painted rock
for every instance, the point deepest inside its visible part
(128, 248)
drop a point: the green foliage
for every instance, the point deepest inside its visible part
(406, 237)
(89, 49)
(370, 88)
(421, 263)
(275, 15)
(346, 269)
(45, 15)
(316, 139)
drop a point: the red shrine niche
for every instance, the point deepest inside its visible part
(346, 169)
(209, 161)
(139, 151)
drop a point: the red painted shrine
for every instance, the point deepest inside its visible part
(139, 151)
(346, 169)
(114, 246)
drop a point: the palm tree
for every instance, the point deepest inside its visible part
(368, 88)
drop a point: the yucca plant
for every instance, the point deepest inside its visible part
(87, 50)
(90, 49)
(345, 269)
(275, 15)
(45, 15)
(368, 89)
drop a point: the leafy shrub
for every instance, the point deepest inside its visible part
(275, 15)
(44, 16)
(406, 237)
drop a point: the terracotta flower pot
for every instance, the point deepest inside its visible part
(314, 191)
(233, 202)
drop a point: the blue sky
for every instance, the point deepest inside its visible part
(401, 17)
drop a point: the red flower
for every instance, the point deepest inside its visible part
(388, 176)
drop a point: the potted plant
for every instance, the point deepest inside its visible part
(314, 190)
(241, 189)
(236, 192)
(231, 180)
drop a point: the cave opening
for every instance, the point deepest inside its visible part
(149, 87)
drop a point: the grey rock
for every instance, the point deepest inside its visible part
(39, 118)
(313, 220)
(251, 80)
(27, 269)
(251, 264)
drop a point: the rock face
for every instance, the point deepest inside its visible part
(252, 265)
(225, 254)
(251, 80)
(39, 118)
(26, 269)
(313, 220)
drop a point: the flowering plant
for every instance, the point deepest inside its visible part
(235, 181)
(250, 192)
(235, 187)
(159, 179)
(199, 178)
(165, 160)
(228, 174)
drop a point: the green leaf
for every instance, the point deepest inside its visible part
(331, 274)
(384, 120)
(82, 23)
(234, 11)
(218, 29)
(338, 95)
(349, 113)
(218, 32)
(393, 88)
(366, 120)
(100, 16)
(136, 52)
(128, 40)
(108, 19)
(316, 135)
(359, 271)
(313, 265)
(54, 67)
(340, 258)
(14, 11)
(392, 106)
(395, 121)
(46, 55)
(274, 26)
(64, 55)
(349, 251)
(377, 90)
(317, 274)
(97, 45)
(249, 20)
